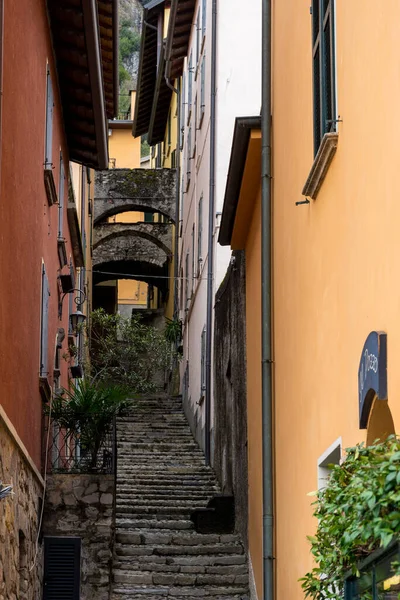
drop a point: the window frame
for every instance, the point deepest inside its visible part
(324, 72)
(376, 560)
(203, 362)
(190, 86)
(193, 257)
(203, 19)
(187, 299)
(61, 191)
(44, 325)
(198, 40)
(199, 235)
(48, 145)
(202, 91)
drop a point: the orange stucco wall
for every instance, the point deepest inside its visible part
(254, 414)
(28, 226)
(336, 261)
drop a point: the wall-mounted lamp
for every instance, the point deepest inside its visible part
(76, 318)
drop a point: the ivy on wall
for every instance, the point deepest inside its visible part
(358, 511)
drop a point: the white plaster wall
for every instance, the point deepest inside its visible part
(238, 94)
(238, 89)
(194, 314)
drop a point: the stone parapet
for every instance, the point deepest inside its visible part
(82, 506)
(122, 190)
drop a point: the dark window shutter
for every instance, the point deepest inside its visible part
(62, 558)
(44, 333)
(49, 122)
(61, 199)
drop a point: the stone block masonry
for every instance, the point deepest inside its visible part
(82, 506)
(20, 573)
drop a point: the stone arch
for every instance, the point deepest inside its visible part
(130, 249)
(159, 234)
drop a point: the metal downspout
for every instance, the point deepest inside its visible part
(266, 324)
(211, 223)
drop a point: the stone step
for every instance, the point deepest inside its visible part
(152, 523)
(172, 489)
(177, 550)
(174, 476)
(160, 445)
(144, 536)
(141, 564)
(179, 593)
(159, 513)
(177, 579)
(138, 495)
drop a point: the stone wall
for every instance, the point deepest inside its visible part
(82, 506)
(20, 565)
(121, 190)
(230, 425)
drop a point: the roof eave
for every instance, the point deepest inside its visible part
(240, 144)
(96, 78)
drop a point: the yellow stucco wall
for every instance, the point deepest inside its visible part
(335, 260)
(124, 150)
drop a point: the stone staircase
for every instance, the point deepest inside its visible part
(161, 479)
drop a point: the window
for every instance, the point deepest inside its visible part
(193, 262)
(182, 119)
(187, 280)
(202, 90)
(199, 235)
(203, 361)
(377, 579)
(331, 456)
(158, 157)
(173, 159)
(323, 29)
(198, 38)
(188, 157)
(148, 217)
(195, 128)
(61, 198)
(190, 85)
(48, 159)
(204, 17)
(181, 298)
(44, 325)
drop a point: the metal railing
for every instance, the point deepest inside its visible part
(85, 450)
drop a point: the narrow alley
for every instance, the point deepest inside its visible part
(199, 308)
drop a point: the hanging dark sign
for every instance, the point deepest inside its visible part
(372, 374)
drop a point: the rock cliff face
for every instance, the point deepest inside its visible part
(130, 11)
